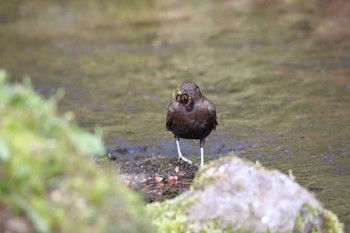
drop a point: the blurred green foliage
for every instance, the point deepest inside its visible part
(47, 180)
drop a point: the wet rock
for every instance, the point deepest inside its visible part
(159, 166)
(157, 178)
(232, 195)
(129, 153)
(284, 150)
(328, 157)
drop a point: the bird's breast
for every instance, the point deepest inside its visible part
(191, 124)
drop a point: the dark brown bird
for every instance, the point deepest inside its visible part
(190, 116)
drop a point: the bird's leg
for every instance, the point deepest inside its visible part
(201, 145)
(179, 151)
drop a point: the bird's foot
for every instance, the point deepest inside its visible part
(185, 159)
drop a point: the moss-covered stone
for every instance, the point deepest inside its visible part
(232, 195)
(48, 183)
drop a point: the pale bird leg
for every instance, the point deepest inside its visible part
(201, 145)
(202, 157)
(180, 154)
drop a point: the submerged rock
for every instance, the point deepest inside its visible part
(234, 195)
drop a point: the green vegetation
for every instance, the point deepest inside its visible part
(48, 183)
(330, 222)
(171, 215)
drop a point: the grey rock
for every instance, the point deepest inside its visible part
(234, 195)
(246, 196)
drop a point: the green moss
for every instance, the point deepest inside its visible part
(47, 179)
(199, 182)
(329, 224)
(171, 215)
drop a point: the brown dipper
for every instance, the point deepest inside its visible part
(190, 116)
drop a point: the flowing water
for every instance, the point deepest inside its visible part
(278, 73)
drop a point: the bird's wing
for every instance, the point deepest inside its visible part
(212, 113)
(169, 116)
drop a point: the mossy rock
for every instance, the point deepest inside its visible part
(48, 181)
(233, 195)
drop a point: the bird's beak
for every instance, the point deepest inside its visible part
(178, 93)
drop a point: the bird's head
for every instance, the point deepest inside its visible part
(187, 94)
